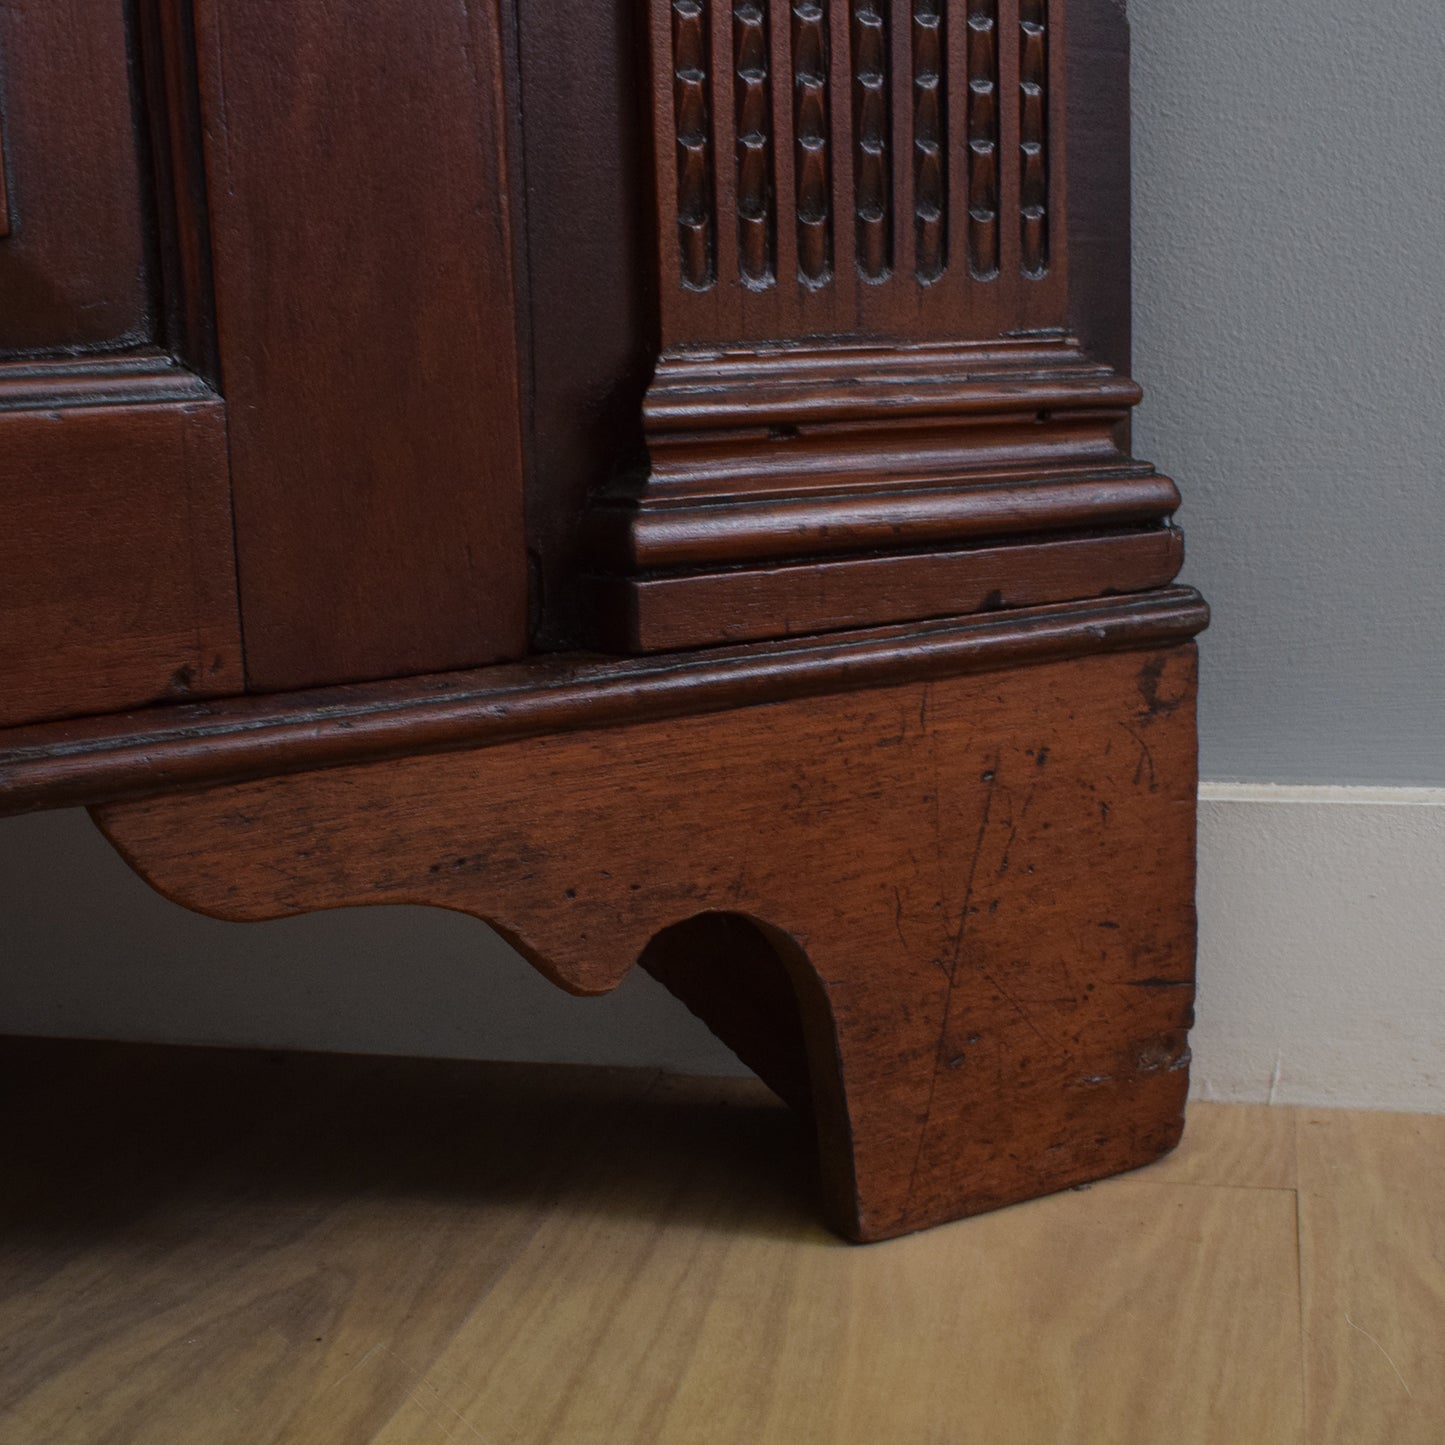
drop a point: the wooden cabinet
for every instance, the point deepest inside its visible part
(258, 351)
(654, 474)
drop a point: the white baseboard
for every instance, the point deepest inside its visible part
(1322, 946)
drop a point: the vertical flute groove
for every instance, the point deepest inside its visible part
(983, 138)
(930, 129)
(756, 203)
(1033, 134)
(872, 169)
(695, 209)
(810, 138)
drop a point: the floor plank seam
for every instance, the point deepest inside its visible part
(1193, 1184)
(1299, 1275)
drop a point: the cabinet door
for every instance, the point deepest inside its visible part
(361, 232)
(258, 352)
(117, 575)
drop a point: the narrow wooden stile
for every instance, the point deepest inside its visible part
(901, 98)
(1010, 246)
(843, 306)
(722, 102)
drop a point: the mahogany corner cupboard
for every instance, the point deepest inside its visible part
(652, 474)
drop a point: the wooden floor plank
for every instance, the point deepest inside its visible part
(376, 1205)
(676, 1310)
(1344, 1148)
(1372, 1215)
(205, 1246)
(1244, 1146)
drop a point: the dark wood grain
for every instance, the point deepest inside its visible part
(802, 453)
(834, 91)
(170, 131)
(730, 971)
(359, 201)
(692, 530)
(983, 887)
(891, 314)
(97, 759)
(117, 584)
(4, 182)
(662, 611)
(117, 570)
(591, 278)
(644, 325)
(75, 270)
(142, 376)
(1100, 249)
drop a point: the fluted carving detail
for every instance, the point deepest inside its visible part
(695, 210)
(930, 129)
(1033, 133)
(907, 141)
(983, 138)
(756, 208)
(810, 131)
(872, 167)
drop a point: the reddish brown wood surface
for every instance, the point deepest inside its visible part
(93, 760)
(749, 603)
(889, 167)
(866, 218)
(981, 889)
(691, 531)
(117, 568)
(803, 453)
(117, 583)
(361, 228)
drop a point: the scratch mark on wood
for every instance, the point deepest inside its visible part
(955, 946)
(1016, 1006)
(1146, 760)
(898, 915)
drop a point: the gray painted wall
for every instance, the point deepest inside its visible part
(1291, 331)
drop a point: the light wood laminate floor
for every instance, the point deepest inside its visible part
(204, 1246)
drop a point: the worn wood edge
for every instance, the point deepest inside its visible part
(848, 382)
(837, 939)
(92, 761)
(1098, 165)
(4, 184)
(659, 531)
(141, 378)
(166, 41)
(667, 611)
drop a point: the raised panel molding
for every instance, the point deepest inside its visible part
(867, 385)
(4, 183)
(117, 556)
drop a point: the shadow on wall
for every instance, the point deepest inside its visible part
(89, 951)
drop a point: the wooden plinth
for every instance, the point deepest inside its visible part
(952, 918)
